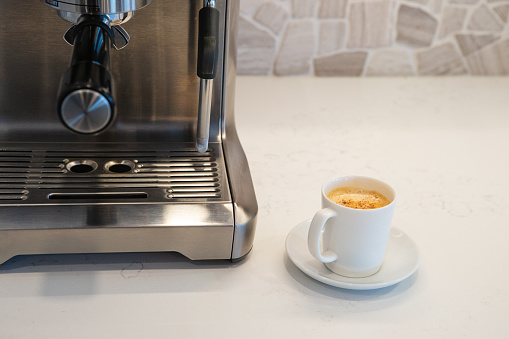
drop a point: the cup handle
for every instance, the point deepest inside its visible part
(315, 233)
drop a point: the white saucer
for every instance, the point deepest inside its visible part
(402, 258)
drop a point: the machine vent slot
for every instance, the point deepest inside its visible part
(97, 196)
(15, 166)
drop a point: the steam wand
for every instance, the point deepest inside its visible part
(207, 64)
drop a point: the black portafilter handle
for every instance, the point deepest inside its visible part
(85, 97)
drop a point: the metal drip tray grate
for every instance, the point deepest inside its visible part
(121, 176)
(14, 172)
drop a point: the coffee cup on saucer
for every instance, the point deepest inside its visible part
(350, 233)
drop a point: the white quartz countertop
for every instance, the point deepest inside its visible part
(442, 143)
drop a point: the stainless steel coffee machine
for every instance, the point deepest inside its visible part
(121, 136)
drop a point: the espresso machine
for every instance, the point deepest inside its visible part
(120, 136)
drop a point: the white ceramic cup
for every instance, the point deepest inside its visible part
(351, 242)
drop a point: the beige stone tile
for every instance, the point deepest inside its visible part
(332, 8)
(337, 28)
(493, 60)
(452, 21)
(341, 64)
(370, 24)
(440, 60)
(470, 43)
(332, 36)
(252, 36)
(421, 2)
(483, 19)
(272, 16)
(435, 6)
(296, 49)
(463, 2)
(256, 49)
(389, 62)
(303, 8)
(415, 27)
(249, 7)
(502, 11)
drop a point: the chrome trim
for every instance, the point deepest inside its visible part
(204, 107)
(90, 163)
(112, 19)
(86, 111)
(97, 6)
(111, 164)
(241, 184)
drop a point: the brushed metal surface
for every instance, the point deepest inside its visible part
(97, 6)
(193, 242)
(204, 208)
(241, 184)
(155, 75)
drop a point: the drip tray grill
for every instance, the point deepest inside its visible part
(60, 176)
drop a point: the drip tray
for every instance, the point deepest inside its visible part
(138, 198)
(89, 175)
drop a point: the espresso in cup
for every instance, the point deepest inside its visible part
(358, 198)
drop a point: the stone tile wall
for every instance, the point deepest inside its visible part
(373, 37)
